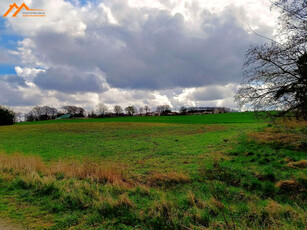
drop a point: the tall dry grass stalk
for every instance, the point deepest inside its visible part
(20, 163)
(99, 172)
(104, 172)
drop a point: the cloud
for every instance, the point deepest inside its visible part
(13, 94)
(13, 80)
(142, 52)
(61, 16)
(161, 54)
(27, 73)
(7, 56)
(216, 92)
(70, 80)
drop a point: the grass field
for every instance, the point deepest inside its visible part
(224, 171)
(247, 117)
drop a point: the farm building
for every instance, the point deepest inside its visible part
(66, 116)
(207, 110)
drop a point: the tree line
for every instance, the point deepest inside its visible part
(41, 113)
(275, 77)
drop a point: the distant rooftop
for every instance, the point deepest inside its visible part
(204, 108)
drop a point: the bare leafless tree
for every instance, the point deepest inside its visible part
(49, 112)
(42, 113)
(69, 109)
(37, 112)
(101, 109)
(147, 109)
(118, 109)
(131, 110)
(141, 110)
(163, 109)
(275, 73)
(183, 110)
(74, 110)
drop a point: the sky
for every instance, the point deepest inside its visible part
(128, 52)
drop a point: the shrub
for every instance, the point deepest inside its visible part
(6, 116)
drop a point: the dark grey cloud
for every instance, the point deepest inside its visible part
(162, 53)
(214, 92)
(13, 80)
(208, 94)
(71, 80)
(13, 96)
(152, 56)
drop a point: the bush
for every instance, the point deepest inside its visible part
(6, 116)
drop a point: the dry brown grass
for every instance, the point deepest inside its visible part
(288, 185)
(194, 201)
(293, 123)
(217, 203)
(100, 172)
(124, 200)
(104, 172)
(167, 179)
(273, 208)
(286, 132)
(20, 163)
(271, 137)
(163, 208)
(298, 164)
(276, 212)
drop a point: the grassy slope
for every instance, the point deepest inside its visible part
(247, 117)
(232, 180)
(110, 137)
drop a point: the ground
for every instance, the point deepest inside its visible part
(223, 171)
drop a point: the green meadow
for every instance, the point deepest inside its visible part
(221, 171)
(247, 117)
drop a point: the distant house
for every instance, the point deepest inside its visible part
(152, 114)
(172, 114)
(66, 116)
(220, 110)
(206, 110)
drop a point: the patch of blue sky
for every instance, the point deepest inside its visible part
(7, 69)
(2, 24)
(81, 2)
(8, 39)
